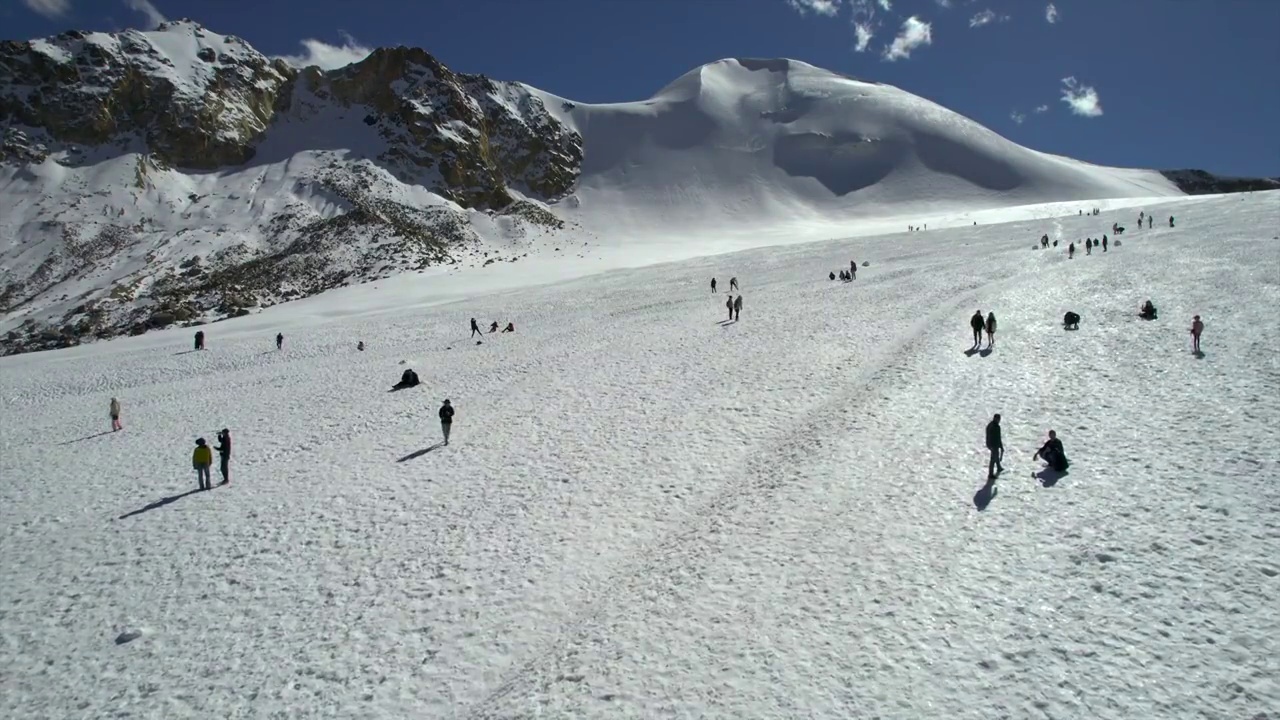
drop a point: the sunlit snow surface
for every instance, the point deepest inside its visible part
(647, 513)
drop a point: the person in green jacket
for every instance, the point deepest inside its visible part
(202, 460)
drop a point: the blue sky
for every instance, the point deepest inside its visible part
(1155, 83)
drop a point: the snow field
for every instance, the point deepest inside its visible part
(647, 513)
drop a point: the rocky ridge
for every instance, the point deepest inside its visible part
(142, 164)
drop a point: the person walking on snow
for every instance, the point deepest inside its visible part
(475, 329)
(1071, 251)
(853, 270)
(446, 420)
(713, 285)
(996, 445)
(737, 308)
(201, 459)
(115, 415)
(1104, 243)
(279, 340)
(729, 304)
(1197, 327)
(1170, 221)
(991, 329)
(733, 283)
(978, 324)
(224, 455)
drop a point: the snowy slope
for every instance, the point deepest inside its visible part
(647, 512)
(780, 147)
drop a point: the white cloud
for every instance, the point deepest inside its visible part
(828, 8)
(1040, 109)
(986, 17)
(1083, 99)
(326, 56)
(943, 3)
(146, 8)
(1017, 117)
(1051, 13)
(48, 8)
(915, 33)
(885, 5)
(863, 32)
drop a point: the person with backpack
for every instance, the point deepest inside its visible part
(446, 419)
(114, 409)
(978, 324)
(1197, 327)
(224, 455)
(996, 445)
(737, 308)
(201, 460)
(1052, 453)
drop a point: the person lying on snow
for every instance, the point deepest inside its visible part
(408, 379)
(1052, 453)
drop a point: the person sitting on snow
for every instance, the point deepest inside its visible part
(1052, 453)
(1071, 321)
(1148, 311)
(408, 379)
(494, 327)
(511, 327)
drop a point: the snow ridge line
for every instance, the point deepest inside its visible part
(659, 563)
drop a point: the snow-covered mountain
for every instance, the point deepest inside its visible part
(179, 176)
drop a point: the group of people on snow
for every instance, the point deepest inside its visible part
(475, 328)
(1051, 451)
(202, 460)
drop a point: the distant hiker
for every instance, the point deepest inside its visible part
(1197, 327)
(737, 308)
(1071, 251)
(511, 327)
(1071, 321)
(1052, 453)
(115, 415)
(853, 270)
(279, 340)
(1170, 221)
(475, 329)
(991, 329)
(996, 445)
(729, 304)
(1104, 243)
(199, 339)
(1088, 246)
(446, 420)
(978, 324)
(360, 346)
(713, 284)
(408, 379)
(201, 459)
(833, 275)
(494, 327)
(733, 283)
(1148, 311)
(224, 455)
(1141, 215)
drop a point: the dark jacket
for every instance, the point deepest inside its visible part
(976, 322)
(993, 436)
(1052, 453)
(446, 413)
(224, 447)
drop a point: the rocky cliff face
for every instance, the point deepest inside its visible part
(1199, 182)
(179, 176)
